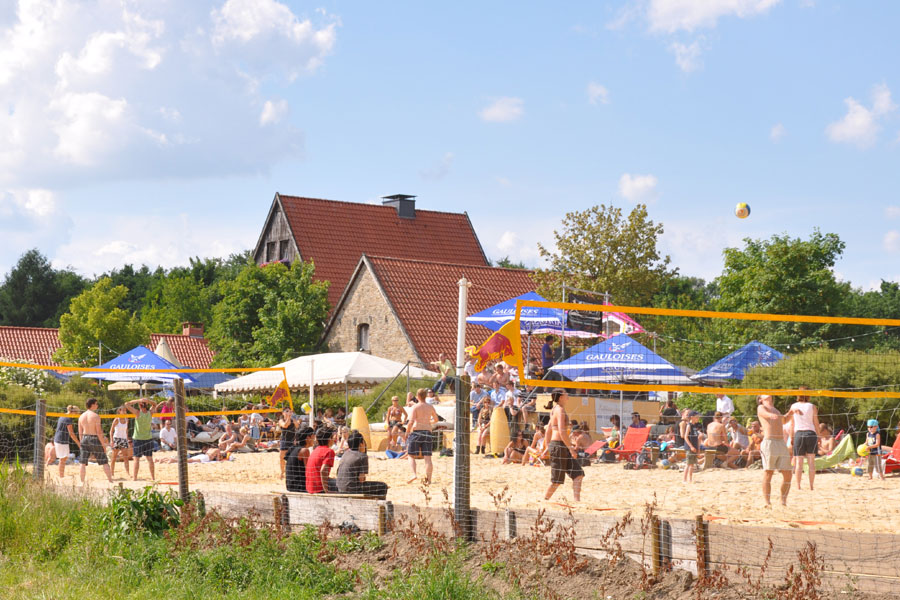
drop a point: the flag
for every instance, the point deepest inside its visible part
(281, 393)
(505, 344)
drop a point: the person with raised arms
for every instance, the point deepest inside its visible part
(142, 438)
(773, 449)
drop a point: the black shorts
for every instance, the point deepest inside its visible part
(92, 450)
(419, 443)
(143, 448)
(721, 449)
(562, 464)
(393, 423)
(805, 442)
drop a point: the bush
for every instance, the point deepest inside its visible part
(131, 512)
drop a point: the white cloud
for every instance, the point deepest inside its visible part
(860, 125)
(597, 94)
(670, 16)
(519, 245)
(892, 212)
(504, 181)
(687, 56)
(638, 188)
(273, 112)
(109, 90)
(503, 110)
(891, 241)
(30, 218)
(777, 132)
(439, 170)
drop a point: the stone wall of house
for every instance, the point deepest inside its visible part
(367, 305)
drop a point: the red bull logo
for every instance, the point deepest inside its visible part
(497, 347)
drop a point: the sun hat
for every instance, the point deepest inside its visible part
(872, 423)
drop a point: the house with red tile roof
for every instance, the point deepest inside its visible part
(334, 235)
(406, 309)
(38, 344)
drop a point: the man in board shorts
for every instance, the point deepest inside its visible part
(93, 442)
(142, 436)
(773, 449)
(420, 440)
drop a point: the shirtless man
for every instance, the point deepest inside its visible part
(93, 442)
(773, 450)
(419, 443)
(717, 439)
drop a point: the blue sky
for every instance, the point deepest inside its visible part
(152, 131)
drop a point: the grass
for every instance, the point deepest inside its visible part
(63, 548)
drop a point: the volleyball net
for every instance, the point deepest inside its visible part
(58, 396)
(849, 367)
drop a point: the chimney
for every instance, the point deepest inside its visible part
(405, 205)
(194, 330)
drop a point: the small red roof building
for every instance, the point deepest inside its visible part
(334, 235)
(38, 344)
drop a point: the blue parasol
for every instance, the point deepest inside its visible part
(138, 359)
(736, 364)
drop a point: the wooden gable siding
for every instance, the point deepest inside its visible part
(277, 241)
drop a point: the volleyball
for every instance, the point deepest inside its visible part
(742, 210)
(664, 463)
(862, 450)
(857, 472)
(306, 408)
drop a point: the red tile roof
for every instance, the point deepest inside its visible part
(37, 345)
(334, 235)
(29, 344)
(425, 296)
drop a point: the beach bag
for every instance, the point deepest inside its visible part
(608, 456)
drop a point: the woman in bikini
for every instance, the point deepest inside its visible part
(396, 417)
(562, 450)
(121, 447)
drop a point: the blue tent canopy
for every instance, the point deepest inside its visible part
(139, 358)
(533, 319)
(735, 365)
(619, 359)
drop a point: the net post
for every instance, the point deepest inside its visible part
(40, 424)
(181, 434)
(461, 484)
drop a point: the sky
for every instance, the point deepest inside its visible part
(151, 131)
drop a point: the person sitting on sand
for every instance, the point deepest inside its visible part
(229, 437)
(209, 455)
(398, 450)
(716, 439)
(168, 437)
(340, 444)
(751, 453)
(538, 446)
(244, 443)
(295, 461)
(826, 440)
(319, 464)
(668, 437)
(354, 469)
(515, 449)
(580, 438)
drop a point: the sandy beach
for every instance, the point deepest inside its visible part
(839, 502)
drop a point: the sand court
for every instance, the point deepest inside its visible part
(839, 502)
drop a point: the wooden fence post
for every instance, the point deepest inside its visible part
(655, 546)
(181, 434)
(510, 524)
(40, 425)
(702, 546)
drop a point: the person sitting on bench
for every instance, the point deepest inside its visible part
(354, 467)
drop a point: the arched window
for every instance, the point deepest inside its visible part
(362, 337)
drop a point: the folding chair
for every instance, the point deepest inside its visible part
(635, 438)
(892, 460)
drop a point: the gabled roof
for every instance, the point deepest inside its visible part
(335, 234)
(425, 296)
(32, 344)
(38, 344)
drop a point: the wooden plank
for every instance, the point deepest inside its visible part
(239, 504)
(315, 509)
(683, 544)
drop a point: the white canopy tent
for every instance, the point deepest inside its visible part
(334, 370)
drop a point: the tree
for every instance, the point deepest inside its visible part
(600, 251)
(96, 316)
(34, 294)
(784, 275)
(173, 300)
(507, 263)
(137, 282)
(268, 315)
